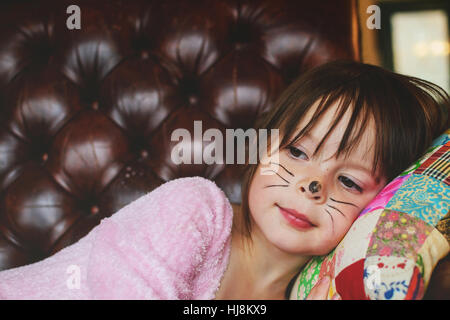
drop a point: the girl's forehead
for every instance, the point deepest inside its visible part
(362, 150)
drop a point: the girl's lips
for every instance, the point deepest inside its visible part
(296, 219)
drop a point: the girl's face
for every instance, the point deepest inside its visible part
(308, 203)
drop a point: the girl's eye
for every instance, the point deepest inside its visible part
(348, 183)
(297, 153)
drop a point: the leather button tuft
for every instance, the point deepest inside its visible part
(94, 210)
(95, 105)
(193, 100)
(144, 154)
(144, 54)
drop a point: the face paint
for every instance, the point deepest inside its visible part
(345, 186)
(351, 204)
(313, 188)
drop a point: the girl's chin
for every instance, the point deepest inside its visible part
(303, 243)
(294, 244)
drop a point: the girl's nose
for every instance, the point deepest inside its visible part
(314, 186)
(313, 189)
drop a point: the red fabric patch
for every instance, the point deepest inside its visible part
(416, 287)
(350, 282)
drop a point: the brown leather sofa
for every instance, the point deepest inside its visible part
(86, 114)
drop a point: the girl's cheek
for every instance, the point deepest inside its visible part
(343, 224)
(353, 214)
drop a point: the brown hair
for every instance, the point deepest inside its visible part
(409, 113)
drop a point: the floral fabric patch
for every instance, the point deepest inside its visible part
(308, 279)
(398, 234)
(314, 268)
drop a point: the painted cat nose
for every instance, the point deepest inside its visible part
(314, 186)
(313, 190)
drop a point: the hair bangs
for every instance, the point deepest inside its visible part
(350, 100)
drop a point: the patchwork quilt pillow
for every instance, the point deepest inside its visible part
(393, 246)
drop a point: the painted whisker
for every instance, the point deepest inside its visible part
(277, 174)
(332, 220)
(336, 209)
(277, 185)
(283, 168)
(351, 204)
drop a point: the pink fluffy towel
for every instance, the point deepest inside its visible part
(172, 243)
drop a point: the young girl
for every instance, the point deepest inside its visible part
(346, 129)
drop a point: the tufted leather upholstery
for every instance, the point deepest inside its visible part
(86, 115)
